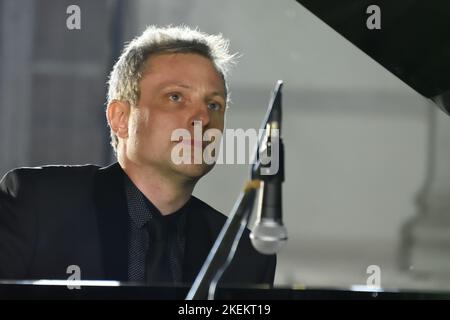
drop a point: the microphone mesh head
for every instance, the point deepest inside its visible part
(268, 236)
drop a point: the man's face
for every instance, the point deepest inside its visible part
(175, 91)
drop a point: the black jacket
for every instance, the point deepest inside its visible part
(56, 216)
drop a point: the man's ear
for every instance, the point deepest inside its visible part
(117, 114)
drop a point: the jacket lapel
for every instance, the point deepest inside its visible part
(199, 240)
(112, 214)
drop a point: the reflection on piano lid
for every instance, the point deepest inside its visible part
(413, 41)
(70, 289)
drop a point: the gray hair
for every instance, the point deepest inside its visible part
(123, 84)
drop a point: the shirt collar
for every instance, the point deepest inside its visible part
(141, 210)
(138, 210)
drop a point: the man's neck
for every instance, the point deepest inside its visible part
(166, 194)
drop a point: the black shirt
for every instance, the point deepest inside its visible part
(156, 241)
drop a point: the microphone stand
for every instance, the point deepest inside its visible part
(226, 243)
(225, 246)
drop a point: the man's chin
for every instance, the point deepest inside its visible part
(194, 171)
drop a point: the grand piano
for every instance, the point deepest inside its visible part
(101, 290)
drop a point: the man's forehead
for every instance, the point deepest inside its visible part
(174, 77)
(168, 59)
(168, 83)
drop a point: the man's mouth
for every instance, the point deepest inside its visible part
(192, 143)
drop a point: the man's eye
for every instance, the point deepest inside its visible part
(214, 106)
(174, 97)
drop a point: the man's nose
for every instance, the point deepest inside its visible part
(201, 113)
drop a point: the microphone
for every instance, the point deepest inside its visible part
(269, 233)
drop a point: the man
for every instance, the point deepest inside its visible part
(135, 220)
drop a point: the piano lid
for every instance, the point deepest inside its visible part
(413, 42)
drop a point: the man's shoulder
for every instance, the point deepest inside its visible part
(263, 267)
(206, 207)
(215, 218)
(45, 176)
(50, 170)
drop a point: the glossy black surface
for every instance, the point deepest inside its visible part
(413, 42)
(137, 292)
